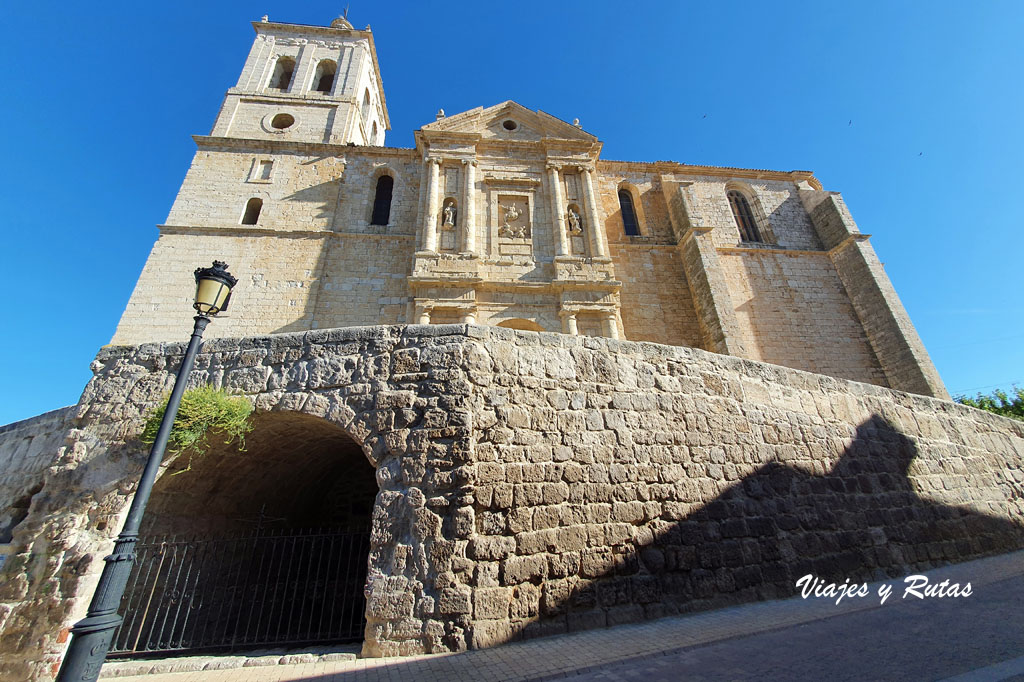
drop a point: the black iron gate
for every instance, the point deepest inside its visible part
(256, 590)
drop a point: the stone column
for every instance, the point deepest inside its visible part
(558, 209)
(611, 329)
(598, 248)
(569, 323)
(422, 314)
(469, 208)
(469, 317)
(430, 215)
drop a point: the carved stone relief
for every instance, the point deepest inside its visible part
(513, 217)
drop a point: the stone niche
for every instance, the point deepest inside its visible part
(534, 483)
(511, 208)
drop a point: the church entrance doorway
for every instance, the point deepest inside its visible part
(263, 547)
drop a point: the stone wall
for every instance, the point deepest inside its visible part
(656, 303)
(535, 483)
(26, 448)
(793, 311)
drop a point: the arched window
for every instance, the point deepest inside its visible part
(382, 200)
(744, 217)
(283, 71)
(373, 134)
(366, 105)
(629, 221)
(252, 211)
(323, 80)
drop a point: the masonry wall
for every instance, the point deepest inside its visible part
(656, 302)
(364, 281)
(618, 481)
(26, 448)
(792, 310)
(312, 261)
(540, 483)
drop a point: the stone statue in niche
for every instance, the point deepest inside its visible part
(511, 214)
(448, 215)
(574, 221)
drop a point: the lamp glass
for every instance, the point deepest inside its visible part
(211, 294)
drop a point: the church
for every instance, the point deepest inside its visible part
(503, 388)
(506, 217)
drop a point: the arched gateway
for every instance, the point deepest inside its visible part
(261, 547)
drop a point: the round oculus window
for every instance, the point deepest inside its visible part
(509, 124)
(282, 121)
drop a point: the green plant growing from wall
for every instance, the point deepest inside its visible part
(998, 402)
(204, 410)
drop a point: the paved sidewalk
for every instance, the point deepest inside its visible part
(672, 647)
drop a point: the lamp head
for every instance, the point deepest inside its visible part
(213, 288)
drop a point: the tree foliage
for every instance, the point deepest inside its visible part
(204, 410)
(998, 402)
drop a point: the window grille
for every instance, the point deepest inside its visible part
(744, 217)
(629, 221)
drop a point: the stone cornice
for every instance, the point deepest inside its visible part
(242, 231)
(852, 239)
(511, 182)
(251, 144)
(645, 245)
(670, 167)
(286, 99)
(256, 231)
(692, 231)
(773, 249)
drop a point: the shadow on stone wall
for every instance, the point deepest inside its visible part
(863, 520)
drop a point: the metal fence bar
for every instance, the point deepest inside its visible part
(226, 593)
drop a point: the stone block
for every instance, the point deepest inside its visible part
(454, 601)
(491, 603)
(517, 569)
(491, 547)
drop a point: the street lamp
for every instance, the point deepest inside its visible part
(91, 636)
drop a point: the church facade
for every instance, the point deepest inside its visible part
(503, 388)
(503, 216)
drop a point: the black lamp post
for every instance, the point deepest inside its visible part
(91, 636)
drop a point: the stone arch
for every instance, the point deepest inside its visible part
(761, 221)
(351, 380)
(323, 77)
(267, 546)
(291, 463)
(283, 73)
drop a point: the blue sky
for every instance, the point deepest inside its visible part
(911, 110)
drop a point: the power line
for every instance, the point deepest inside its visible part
(978, 342)
(961, 391)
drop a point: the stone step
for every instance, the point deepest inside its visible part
(181, 664)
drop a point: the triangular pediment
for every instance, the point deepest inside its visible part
(508, 121)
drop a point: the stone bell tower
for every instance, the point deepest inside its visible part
(308, 84)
